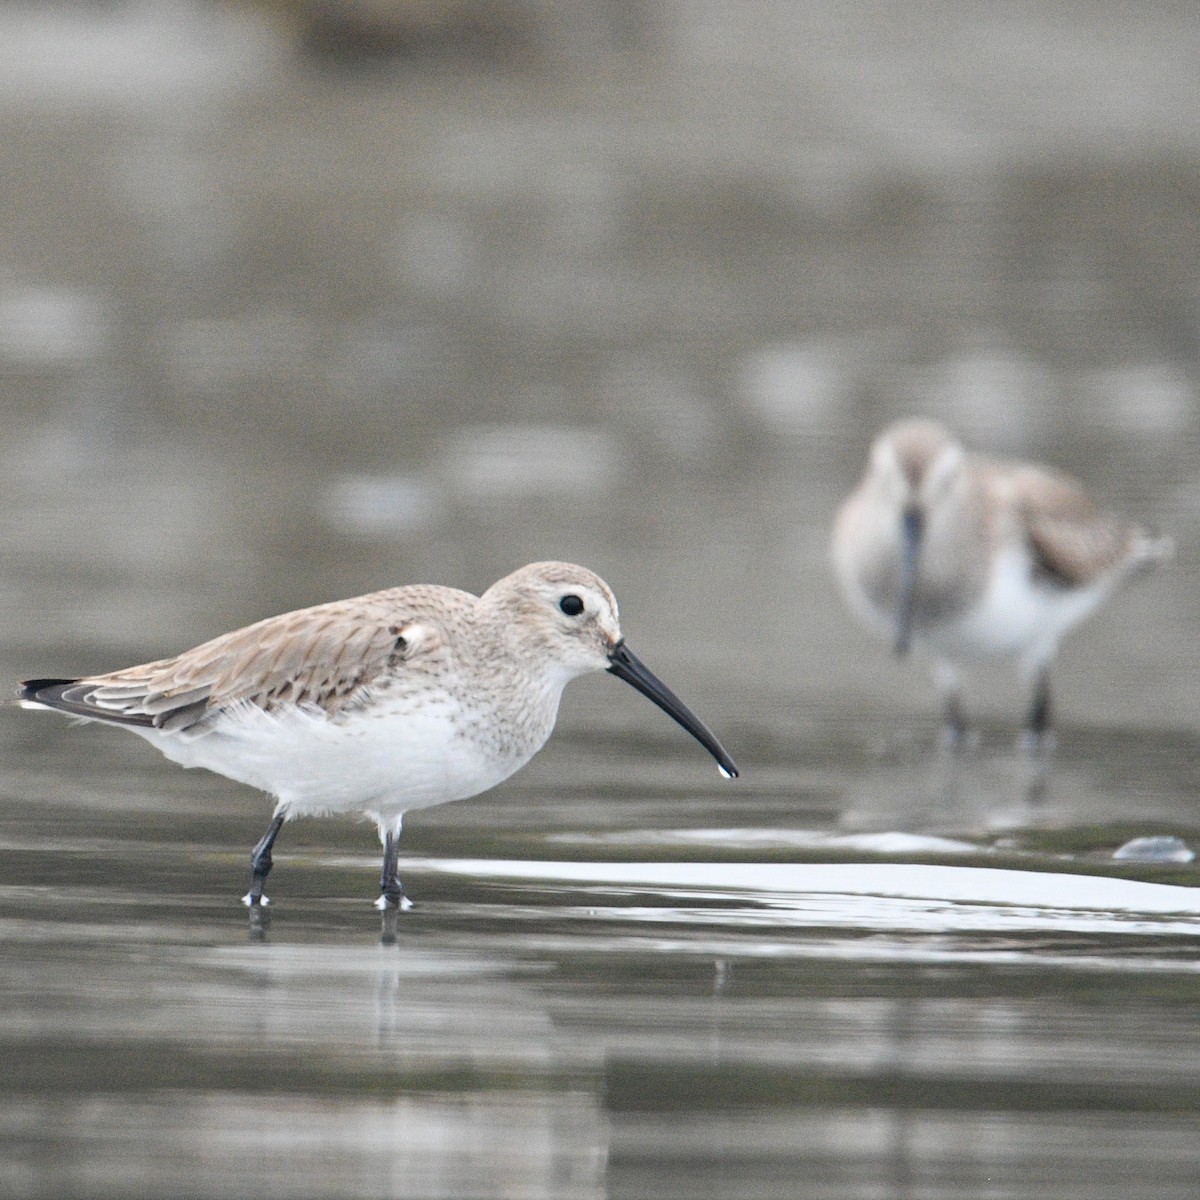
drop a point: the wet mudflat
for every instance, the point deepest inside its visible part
(276, 329)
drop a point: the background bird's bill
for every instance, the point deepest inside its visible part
(911, 527)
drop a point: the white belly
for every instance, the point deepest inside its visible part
(378, 762)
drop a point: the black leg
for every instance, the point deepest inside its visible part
(260, 863)
(1038, 724)
(391, 890)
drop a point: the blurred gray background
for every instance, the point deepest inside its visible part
(299, 300)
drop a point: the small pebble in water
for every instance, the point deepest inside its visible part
(1155, 850)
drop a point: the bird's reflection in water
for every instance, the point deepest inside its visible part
(965, 790)
(1003, 787)
(389, 922)
(260, 922)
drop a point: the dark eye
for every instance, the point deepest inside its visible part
(572, 605)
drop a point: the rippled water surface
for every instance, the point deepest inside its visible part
(287, 315)
(609, 994)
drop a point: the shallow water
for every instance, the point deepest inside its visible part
(605, 990)
(634, 292)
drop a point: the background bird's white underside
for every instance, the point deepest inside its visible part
(1016, 618)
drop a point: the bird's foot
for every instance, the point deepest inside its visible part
(396, 900)
(250, 900)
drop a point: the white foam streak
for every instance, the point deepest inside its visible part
(891, 896)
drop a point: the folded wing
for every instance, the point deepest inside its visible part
(320, 658)
(1075, 544)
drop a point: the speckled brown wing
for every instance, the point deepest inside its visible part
(320, 656)
(1074, 544)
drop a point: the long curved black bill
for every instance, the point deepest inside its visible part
(627, 666)
(912, 526)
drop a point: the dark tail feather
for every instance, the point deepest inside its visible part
(53, 688)
(67, 696)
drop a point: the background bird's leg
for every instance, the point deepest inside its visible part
(260, 863)
(1039, 733)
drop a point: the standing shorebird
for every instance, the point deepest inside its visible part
(396, 700)
(972, 558)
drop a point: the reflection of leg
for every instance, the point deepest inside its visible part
(954, 722)
(260, 863)
(260, 922)
(390, 924)
(1039, 737)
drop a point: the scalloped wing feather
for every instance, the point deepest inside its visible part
(319, 658)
